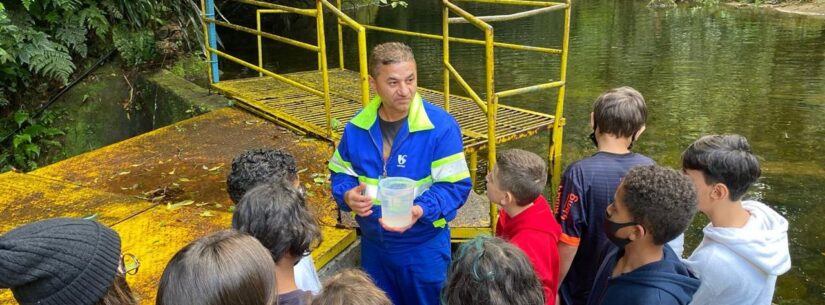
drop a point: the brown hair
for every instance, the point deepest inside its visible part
(620, 111)
(522, 173)
(225, 268)
(118, 294)
(389, 53)
(351, 287)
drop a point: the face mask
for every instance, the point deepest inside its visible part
(610, 229)
(593, 138)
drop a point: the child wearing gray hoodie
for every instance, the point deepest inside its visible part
(745, 247)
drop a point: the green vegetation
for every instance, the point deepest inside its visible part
(27, 145)
(42, 43)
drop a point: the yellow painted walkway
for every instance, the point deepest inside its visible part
(128, 185)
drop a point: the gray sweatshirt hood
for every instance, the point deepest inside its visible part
(763, 241)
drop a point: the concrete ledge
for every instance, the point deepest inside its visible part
(176, 97)
(349, 258)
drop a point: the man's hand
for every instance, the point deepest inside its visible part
(417, 212)
(360, 204)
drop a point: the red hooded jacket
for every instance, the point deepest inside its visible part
(536, 232)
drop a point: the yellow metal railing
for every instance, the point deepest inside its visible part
(321, 7)
(488, 104)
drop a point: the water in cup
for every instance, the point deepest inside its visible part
(396, 195)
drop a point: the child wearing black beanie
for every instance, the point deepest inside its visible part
(63, 261)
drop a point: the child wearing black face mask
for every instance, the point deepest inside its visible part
(652, 206)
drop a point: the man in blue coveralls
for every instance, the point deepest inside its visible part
(398, 134)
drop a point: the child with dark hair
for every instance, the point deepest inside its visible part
(515, 184)
(491, 271)
(258, 166)
(652, 206)
(275, 214)
(64, 261)
(351, 287)
(745, 247)
(587, 187)
(225, 268)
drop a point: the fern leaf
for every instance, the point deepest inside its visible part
(73, 34)
(27, 4)
(51, 60)
(112, 9)
(66, 5)
(96, 20)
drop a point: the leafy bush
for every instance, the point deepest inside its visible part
(135, 47)
(27, 145)
(44, 41)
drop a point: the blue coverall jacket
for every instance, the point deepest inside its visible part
(429, 150)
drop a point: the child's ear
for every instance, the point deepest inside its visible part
(719, 191)
(639, 232)
(639, 133)
(509, 198)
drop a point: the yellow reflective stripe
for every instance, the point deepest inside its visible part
(367, 180)
(450, 169)
(447, 159)
(338, 165)
(440, 223)
(424, 181)
(456, 177)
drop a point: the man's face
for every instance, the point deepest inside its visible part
(396, 84)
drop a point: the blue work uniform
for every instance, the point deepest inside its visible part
(411, 267)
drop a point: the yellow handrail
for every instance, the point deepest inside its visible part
(274, 37)
(322, 51)
(472, 19)
(305, 12)
(464, 40)
(558, 127)
(340, 39)
(514, 16)
(529, 89)
(517, 2)
(362, 49)
(473, 95)
(265, 71)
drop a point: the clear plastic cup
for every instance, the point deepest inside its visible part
(396, 195)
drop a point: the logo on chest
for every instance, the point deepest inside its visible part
(402, 160)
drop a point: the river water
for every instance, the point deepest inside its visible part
(702, 70)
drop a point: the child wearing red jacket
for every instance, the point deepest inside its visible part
(525, 219)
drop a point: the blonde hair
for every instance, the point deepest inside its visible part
(351, 287)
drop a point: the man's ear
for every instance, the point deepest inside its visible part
(372, 82)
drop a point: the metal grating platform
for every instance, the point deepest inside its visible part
(286, 104)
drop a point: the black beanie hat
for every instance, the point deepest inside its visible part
(59, 261)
